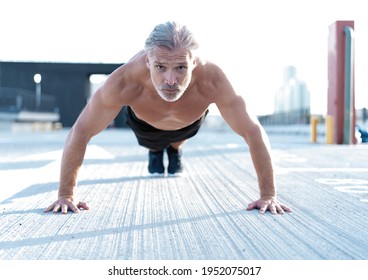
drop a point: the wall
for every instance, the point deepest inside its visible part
(68, 82)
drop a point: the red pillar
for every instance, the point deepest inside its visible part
(336, 79)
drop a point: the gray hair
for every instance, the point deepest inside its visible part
(172, 36)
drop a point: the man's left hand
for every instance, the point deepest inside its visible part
(271, 205)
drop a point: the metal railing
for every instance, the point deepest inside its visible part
(16, 100)
(301, 116)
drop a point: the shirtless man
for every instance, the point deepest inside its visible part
(166, 91)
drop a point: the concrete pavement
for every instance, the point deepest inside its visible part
(198, 216)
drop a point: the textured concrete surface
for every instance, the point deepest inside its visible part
(200, 215)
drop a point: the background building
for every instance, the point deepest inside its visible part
(293, 95)
(292, 101)
(46, 89)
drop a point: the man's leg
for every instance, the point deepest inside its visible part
(174, 154)
(155, 162)
(177, 145)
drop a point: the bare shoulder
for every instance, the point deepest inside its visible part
(211, 78)
(208, 69)
(127, 81)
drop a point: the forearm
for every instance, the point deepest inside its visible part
(260, 152)
(72, 160)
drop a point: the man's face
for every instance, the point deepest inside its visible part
(171, 72)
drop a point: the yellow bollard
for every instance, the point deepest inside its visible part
(329, 129)
(314, 123)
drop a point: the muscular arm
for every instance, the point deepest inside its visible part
(236, 115)
(95, 117)
(234, 111)
(121, 88)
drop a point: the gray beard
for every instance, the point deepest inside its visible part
(170, 97)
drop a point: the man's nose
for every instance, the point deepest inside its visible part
(170, 78)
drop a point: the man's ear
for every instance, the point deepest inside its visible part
(195, 62)
(147, 62)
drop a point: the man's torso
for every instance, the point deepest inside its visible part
(137, 91)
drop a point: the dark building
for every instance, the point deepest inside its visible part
(66, 87)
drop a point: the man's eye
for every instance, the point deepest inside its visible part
(182, 68)
(160, 67)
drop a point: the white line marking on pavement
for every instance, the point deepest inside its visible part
(341, 181)
(16, 180)
(282, 156)
(352, 189)
(285, 170)
(347, 185)
(92, 152)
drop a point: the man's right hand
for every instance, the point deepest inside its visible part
(65, 204)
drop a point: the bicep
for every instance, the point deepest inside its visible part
(235, 113)
(98, 114)
(233, 107)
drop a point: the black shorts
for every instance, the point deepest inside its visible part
(157, 139)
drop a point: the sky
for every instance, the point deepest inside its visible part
(251, 40)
